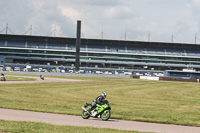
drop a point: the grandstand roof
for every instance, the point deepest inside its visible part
(99, 41)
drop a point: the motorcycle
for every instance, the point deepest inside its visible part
(102, 111)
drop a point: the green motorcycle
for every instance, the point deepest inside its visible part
(102, 111)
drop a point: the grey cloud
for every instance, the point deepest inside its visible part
(48, 15)
(114, 17)
(119, 12)
(16, 14)
(94, 2)
(20, 14)
(195, 13)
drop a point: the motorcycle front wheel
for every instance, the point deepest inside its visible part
(85, 115)
(105, 115)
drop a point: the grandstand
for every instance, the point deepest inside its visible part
(98, 53)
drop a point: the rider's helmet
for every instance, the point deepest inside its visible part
(103, 94)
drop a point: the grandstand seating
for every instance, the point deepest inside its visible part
(83, 47)
(176, 52)
(136, 50)
(97, 48)
(36, 45)
(56, 46)
(71, 47)
(193, 53)
(109, 53)
(118, 49)
(41, 46)
(1, 59)
(15, 44)
(155, 51)
(35, 58)
(2, 43)
(101, 48)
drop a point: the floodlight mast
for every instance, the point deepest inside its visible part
(78, 43)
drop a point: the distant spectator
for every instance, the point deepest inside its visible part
(42, 77)
(3, 77)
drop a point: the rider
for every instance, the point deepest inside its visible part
(98, 100)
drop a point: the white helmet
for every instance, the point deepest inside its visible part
(103, 94)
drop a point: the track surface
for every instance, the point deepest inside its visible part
(59, 119)
(38, 80)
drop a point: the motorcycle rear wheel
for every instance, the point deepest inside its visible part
(105, 115)
(85, 115)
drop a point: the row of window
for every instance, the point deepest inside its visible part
(100, 48)
(102, 56)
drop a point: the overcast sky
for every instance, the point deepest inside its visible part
(136, 20)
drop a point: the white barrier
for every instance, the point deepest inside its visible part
(149, 78)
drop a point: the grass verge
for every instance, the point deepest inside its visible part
(33, 127)
(131, 99)
(10, 78)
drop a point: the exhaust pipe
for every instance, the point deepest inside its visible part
(84, 109)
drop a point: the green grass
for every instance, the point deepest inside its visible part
(32, 127)
(10, 78)
(130, 99)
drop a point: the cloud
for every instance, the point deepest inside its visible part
(161, 18)
(21, 14)
(119, 12)
(50, 14)
(196, 2)
(99, 3)
(15, 14)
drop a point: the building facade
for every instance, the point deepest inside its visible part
(98, 53)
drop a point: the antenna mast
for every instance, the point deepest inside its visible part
(149, 35)
(195, 38)
(55, 31)
(125, 35)
(31, 30)
(6, 28)
(102, 34)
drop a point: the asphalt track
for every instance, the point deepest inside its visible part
(59, 119)
(38, 80)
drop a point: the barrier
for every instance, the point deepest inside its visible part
(149, 78)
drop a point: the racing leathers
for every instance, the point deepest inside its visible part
(98, 100)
